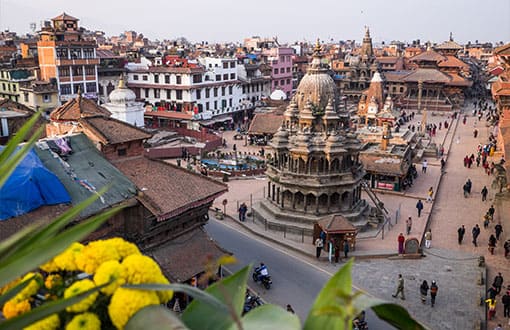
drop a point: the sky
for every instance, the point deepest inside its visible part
(289, 20)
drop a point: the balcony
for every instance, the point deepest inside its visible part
(77, 61)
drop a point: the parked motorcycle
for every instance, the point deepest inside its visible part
(264, 279)
(251, 301)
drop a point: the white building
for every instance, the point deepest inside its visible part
(123, 106)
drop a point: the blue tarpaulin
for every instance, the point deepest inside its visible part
(30, 186)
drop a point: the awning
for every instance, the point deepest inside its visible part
(219, 119)
(187, 255)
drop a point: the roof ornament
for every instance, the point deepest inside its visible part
(317, 49)
(451, 36)
(78, 98)
(122, 83)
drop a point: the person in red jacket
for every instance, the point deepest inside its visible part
(401, 239)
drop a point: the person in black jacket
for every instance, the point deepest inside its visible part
(424, 289)
(433, 293)
(506, 304)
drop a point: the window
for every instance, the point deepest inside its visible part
(288, 81)
(282, 70)
(46, 97)
(65, 89)
(62, 53)
(215, 91)
(91, 87)
(90, 70)
(78, 87)
(288, 69)
(223, 91)
(13, 88)
(168, 94)
(276, 82)
(88, 53)
(146, 93)
(275, 71)
(197, 78)
(215, 104)
(232, 65)
(230, 90)
(282, 82)
(63, 71)
(244, 89)
(229, 102)
(223, 104)
(167, 79)
(178, 95)
(77, 70)
(218, 77)
(198, 94)
(282, 58)
(178, 80)
(232, 76)
(157, 93)
(401, 89)
(225, 65)
(287, 58)
(25, 96)
(3, 86)
(156, 78)
(75, 53)
(144, 77)
(225, 76)
(135, 77)
(207, 92)
(206, 105)
(121, 152)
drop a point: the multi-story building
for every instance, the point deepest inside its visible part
(109, 71)
(207, 88)
(39, 95)
(11, 78)
(68, 59)
(280, 60)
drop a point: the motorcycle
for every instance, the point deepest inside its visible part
(264, 279)
(251, 302)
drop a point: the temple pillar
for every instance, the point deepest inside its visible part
(317, 204)
(269, 190)
(283, 199)
(273, 192)
(278, 195)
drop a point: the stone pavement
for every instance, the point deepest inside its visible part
(454, 267)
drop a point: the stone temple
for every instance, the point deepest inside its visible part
(314, 169)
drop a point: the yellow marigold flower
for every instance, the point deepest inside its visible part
(14, 308)
(50, 266)
(31, 288)
(94, 254)
(52, 322)
(126, 302)
(53, 281)
(110, 271)
(141, 269)
(85, 321)
(164, 296)
(67, 259)
(77, 288)
(124, 248)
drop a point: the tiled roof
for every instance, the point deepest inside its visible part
(169, 114)
(113, 130)
(77, 108)
(9, 104)
(452, 61)
(168, 190)
(106, 53)
(503, 50)
(265, 123)
(457, 80)
(501, 88)
(450, 44)
(427, 75)
(187, 255)
(395, 76)
(65, 17)
(336, 224)
(387, 59)
(428, 55)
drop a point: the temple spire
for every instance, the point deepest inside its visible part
(366, 47)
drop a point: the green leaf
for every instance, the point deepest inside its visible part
(196, 293)
(51, 247)
(397, 316)
(18, 138)
(339, 286)
(231, 291)
(14, 291)
(45, 310)
(42, 234)
(17, 238)
(269, 317)
(158, 317)
(8, 165)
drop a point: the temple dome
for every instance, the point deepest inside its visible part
(122, 94)
(317, 86)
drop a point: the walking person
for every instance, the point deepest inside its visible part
(476, 232)
(346, 248)
(498, 283)
(492, 244)
(409, 223)
(319, 245)
(424, 289)
(506, 246)
(400, 288)
(401, 239)
(433, 293)
(419, 207)
(428, 238)
(506, 304)
(242, 212)
(491, 212)
(484, 193)
(424, 166)
(460, 234)
(430, 193)
(499, 229)
(491, 303)
(290, 309)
